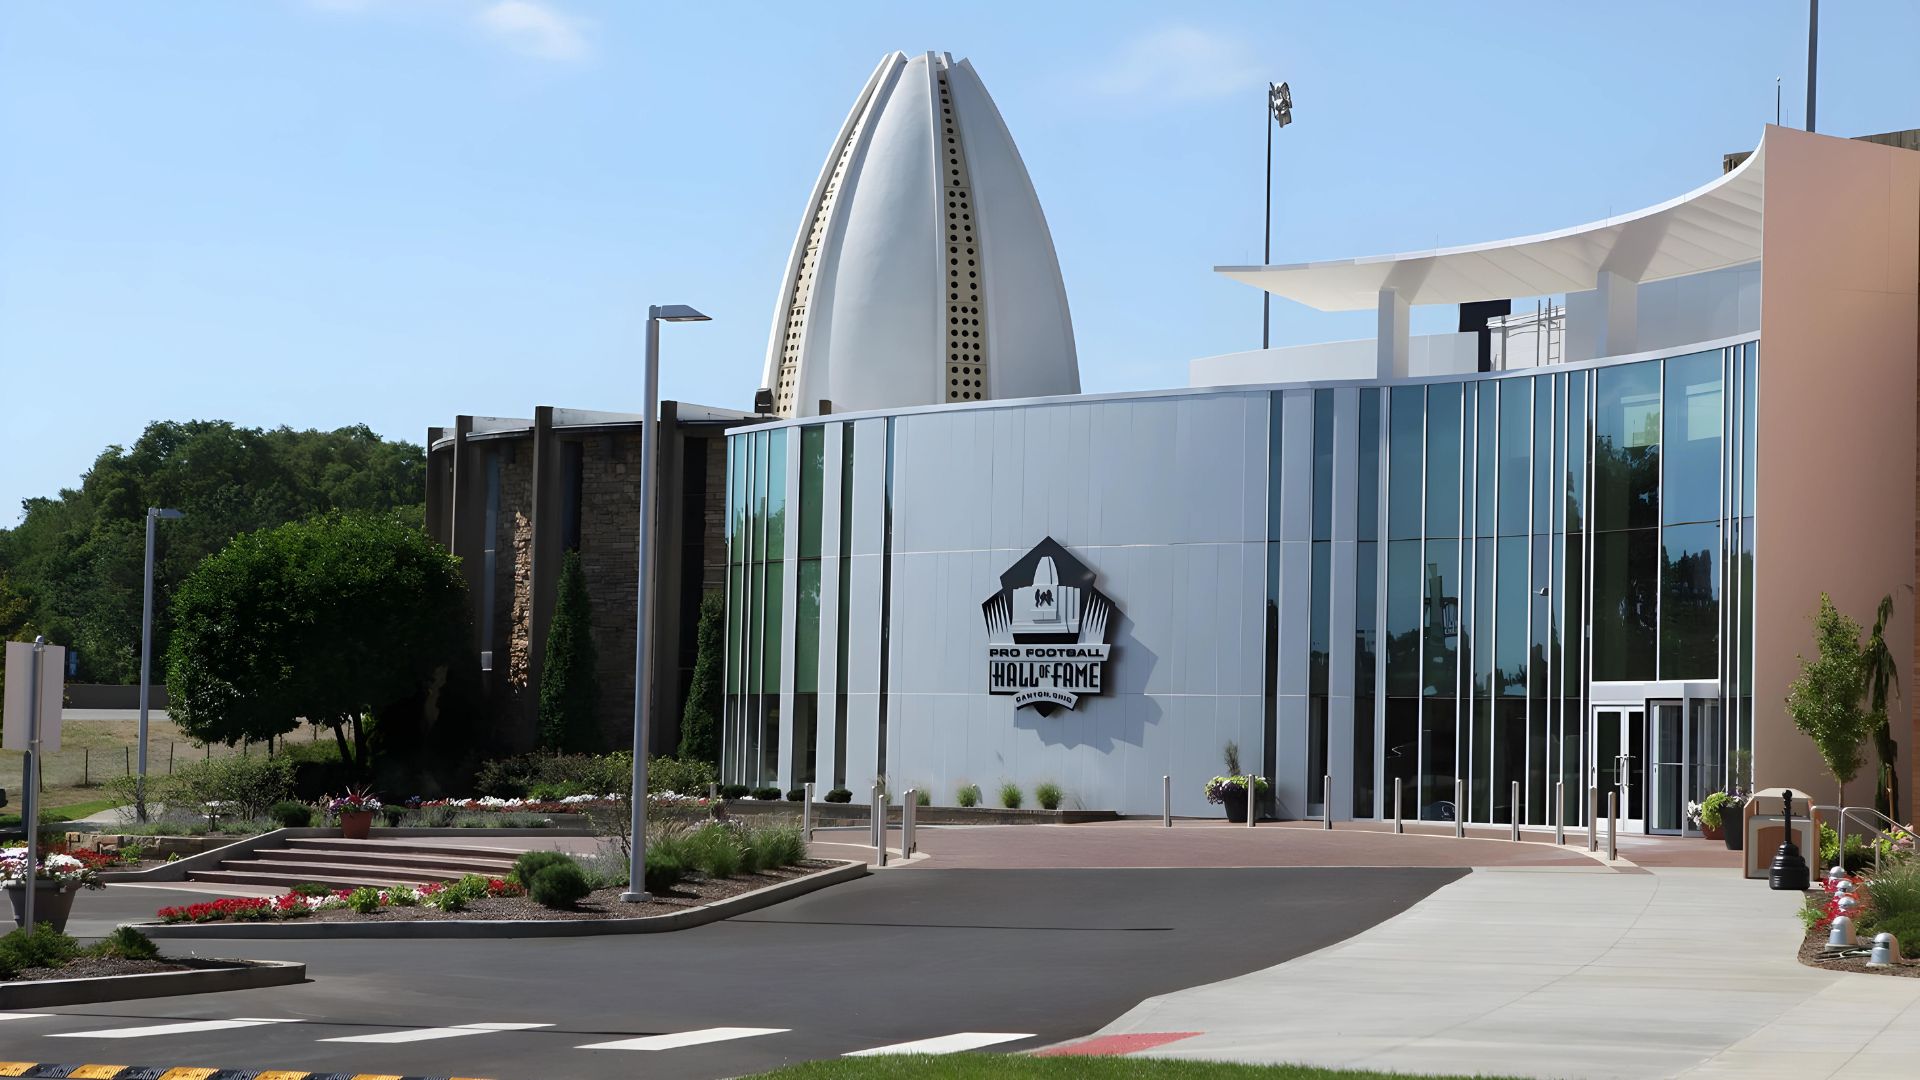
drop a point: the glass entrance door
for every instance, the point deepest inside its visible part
(1618, 739)
(1667, 773)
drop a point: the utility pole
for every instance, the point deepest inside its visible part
(1813, 55)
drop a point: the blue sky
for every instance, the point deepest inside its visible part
(324, 212)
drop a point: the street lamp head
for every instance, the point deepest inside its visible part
(1280, 101)
(166, 515)
(676, 313)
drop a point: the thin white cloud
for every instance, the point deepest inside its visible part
(534, 29)
(1179, 63)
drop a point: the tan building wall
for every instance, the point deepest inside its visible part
(1837, 420)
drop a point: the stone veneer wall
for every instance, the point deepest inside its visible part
(512, 589)
(609, 538)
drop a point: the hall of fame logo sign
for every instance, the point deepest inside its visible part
(1047, 631)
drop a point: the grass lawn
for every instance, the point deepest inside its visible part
(95, 751)
(995, 1066)
(64, 813)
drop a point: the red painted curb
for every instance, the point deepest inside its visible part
(1118, 1044)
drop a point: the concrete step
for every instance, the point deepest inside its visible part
(288, 881)
(423, 847)
(410, 875)
(496, 866)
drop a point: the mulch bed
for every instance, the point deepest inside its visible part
(88, 967)
(600, 904)
(1813, 948)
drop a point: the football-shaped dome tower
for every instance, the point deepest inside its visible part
(924, 272)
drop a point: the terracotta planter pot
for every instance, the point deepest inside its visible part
(355, 823)
(1710, 834)
(52, 903)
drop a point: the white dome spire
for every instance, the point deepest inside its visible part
(924, 272)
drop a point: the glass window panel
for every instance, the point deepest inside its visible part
(1323, 464)
(1369, 501)
(1363, 758)
(1691, 441)
(1509, 756)
(1690, 602)
(1746, 606)
(813, 468)
(1625, 569)
(1366, 595)
(1437, 725)
(1486, 428)
(1575, 599)
(1576, 452)
(1535, 784)
(736, 617)
(1516, 448)
(1480, 785)
(1403, 462)
(1274, 411)
(770, 629)
(1483, 613)
(1510, 618)
(1403, 618)
(1543, 477)
(1539, 606)
(806, 628)
(1626, 453)
(1403, 752)
(757, 501)
(1443, 459)
(1749, 425)
(777, 495)
(1319, 644)
(1440, 617)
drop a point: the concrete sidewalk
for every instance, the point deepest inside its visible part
(1675, 972)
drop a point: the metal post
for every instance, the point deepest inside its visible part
(30, 808)
(1326, 801)
(126, 755)
(1513, 814)
(1399, 824)
(1593, 819)
(713, 793)
(1613, 829)
(879, 825)
(1560, 812)
(86, 767)
(146, 658)
(1459, 818)
(1166, 801)
(643, 611)
(1839, 828)
(1266, 252)
(806, 815)
(1813, 71)
(169, 757)
(908, 804)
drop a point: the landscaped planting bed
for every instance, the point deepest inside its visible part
(1885, 901)
(49, 954)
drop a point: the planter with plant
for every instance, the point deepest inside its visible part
(1231, 790)
(1048, 795)
(968, 795)
(1718, 817)
(355, 810)
(56, 881)
(1010, 795)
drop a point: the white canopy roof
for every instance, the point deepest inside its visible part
(1709, 228)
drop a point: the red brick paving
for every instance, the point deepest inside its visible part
(1106, 1045)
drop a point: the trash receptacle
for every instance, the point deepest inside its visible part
(1764, 828)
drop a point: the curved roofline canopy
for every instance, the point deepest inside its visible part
(1711, 227)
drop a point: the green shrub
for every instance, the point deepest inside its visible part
(289, 814)
(569, 679)
(767, 794)
(968, 795)
(714, 850)
(1858, 856)
(44, 948)
(700, 717)
(1047, 795)
(529, 864)
(1894, 894)
(310, 888)
(682, 776)
(1010, 795)
(245, 785)
(798, 794)
(778, 845)
(365, 900)
(560, 885)
(1905, 928)
(922, 797)
(735, 791)
(126, 943)
(663, 869)
(840, 794)
(574, 774)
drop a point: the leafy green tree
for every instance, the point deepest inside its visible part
(1825, 700)
(1883, 686)
(78, 558)
(569, 679)
(337, 620)
(13, 620)
(700, 718)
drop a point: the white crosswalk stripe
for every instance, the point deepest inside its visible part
(185, 1028)
(945, 1044)
(23, 1016)
(675, 1040)
(426, 1034)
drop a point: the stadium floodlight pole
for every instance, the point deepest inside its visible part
(636, 891)
(154, 513)
(1279, 112)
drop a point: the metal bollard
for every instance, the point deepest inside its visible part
(806, 815)
(1841, 936)
(1613, 829)
(908, 805)
(713, 793)
(1513, 814)
(1166, 801)
(1399, 823)
(1326, 801)
(1459, 815)
(1886, 949)
(1560, 812)
(1593, 819)
(879, 824)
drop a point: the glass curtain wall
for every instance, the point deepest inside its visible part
(756, 577)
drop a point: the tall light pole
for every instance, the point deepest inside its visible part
(1280, 113)
(1813, 55)
(636, 891)
(154, 513)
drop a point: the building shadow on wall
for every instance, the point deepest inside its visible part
(1119, 715)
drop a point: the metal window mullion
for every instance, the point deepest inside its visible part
(1420, 635)
(1383, 533)
(1660, 538)
(1460, 556)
